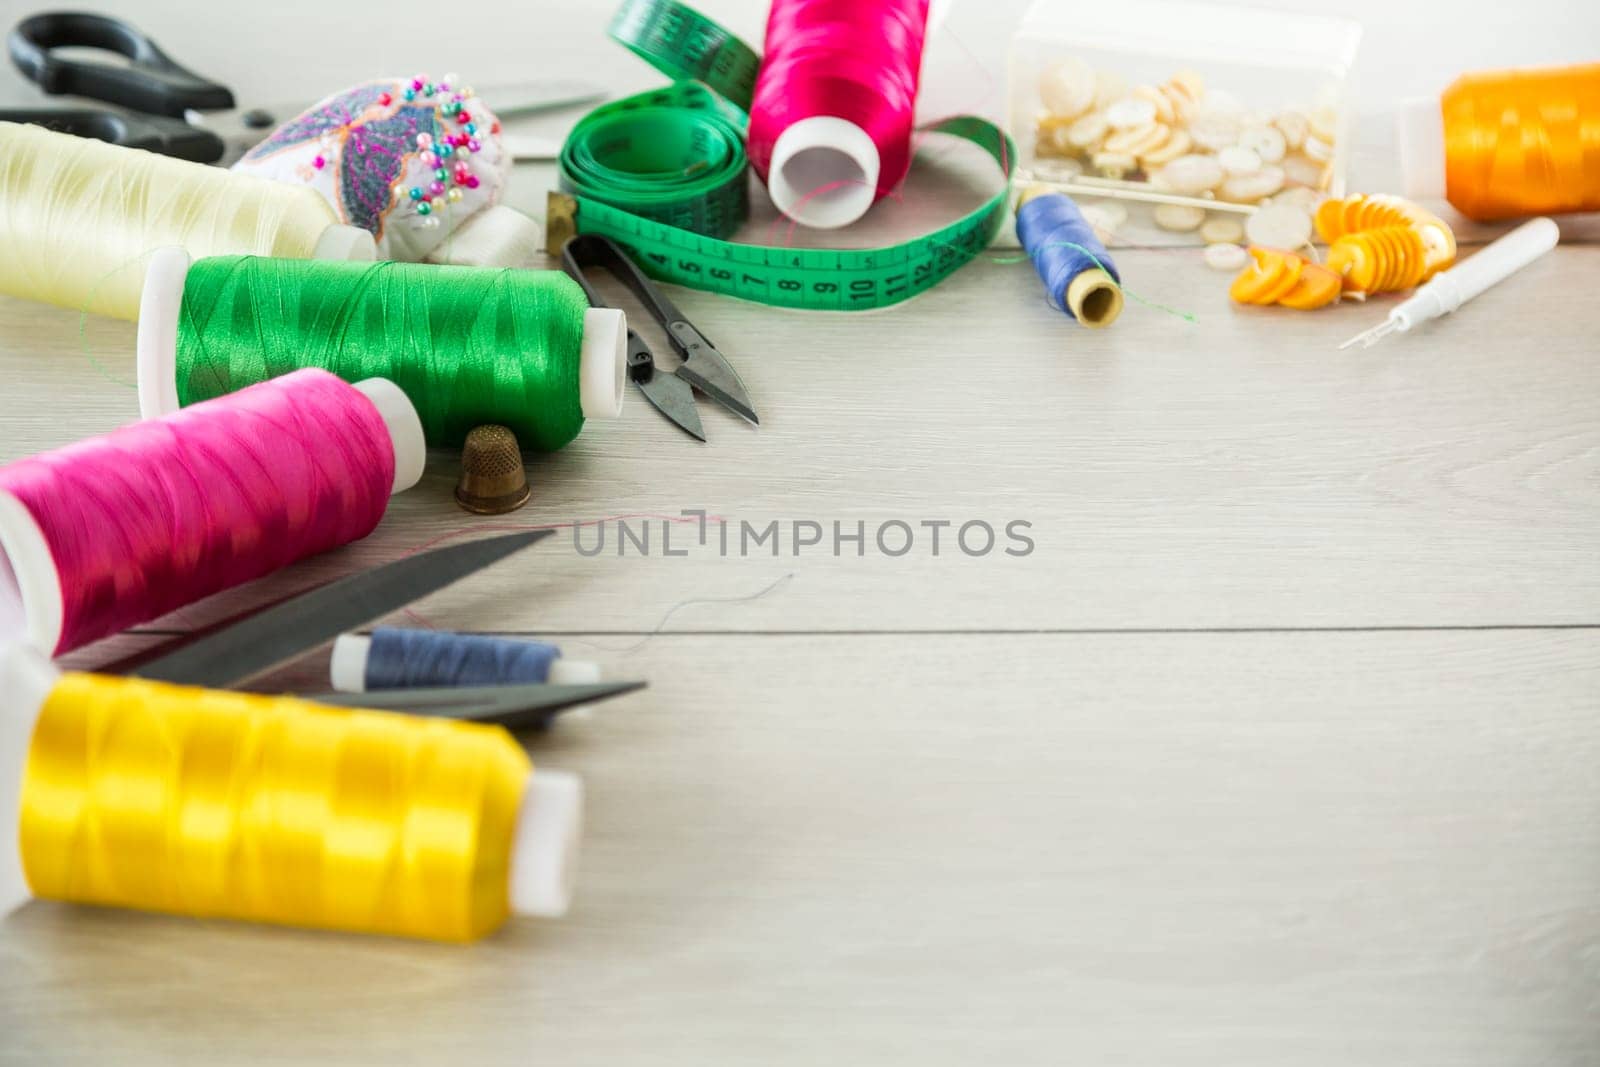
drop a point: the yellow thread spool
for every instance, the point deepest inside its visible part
(231, 805)
(77, 216)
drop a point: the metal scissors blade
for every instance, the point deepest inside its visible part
(281, 632)
(516, 707)
(710, 372)
(704, 368)
(668, 393)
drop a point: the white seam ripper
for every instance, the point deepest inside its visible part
(1496, 262)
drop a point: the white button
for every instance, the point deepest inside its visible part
(1138, 140)
(1325, 124)
(1279, 226)
(1299, 196)
(1222, 229)
(1267, 142)
(1239, 160)
(1192, 175)
(1114, 164)
(1214, 132)
(1178, 143)
(1179, 218)
(1158, 100)
(1130, 112)
(1087, 133)
(1318, 149)
(1294, 126)
(1302, 171)
(1248, 188)
(1226, 257)
(1068, 88)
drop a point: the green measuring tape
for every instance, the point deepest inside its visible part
(664, 173)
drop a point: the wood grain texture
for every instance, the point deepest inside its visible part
(1235, 472)
(1278, 749)
(1244, 849)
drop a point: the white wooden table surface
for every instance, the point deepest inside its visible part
(1281, 747)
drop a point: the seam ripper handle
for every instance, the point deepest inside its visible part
(1497, 262)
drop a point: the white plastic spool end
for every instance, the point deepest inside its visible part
(574, 672)
(603, 363)
(347, 666)
(544, 851)
(26, 678)
(341, 242)
(497, 236)
(159, 305)
(31, 605)
(824, 172)
(405, 430)
(1419, 129)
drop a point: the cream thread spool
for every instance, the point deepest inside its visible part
(77, 217)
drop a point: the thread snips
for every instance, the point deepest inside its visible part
(704, 368)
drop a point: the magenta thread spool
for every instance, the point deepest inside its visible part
(122, 528)
(835, 102)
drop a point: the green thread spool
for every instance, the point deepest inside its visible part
(467, 345)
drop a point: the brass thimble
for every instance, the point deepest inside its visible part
(492, 479)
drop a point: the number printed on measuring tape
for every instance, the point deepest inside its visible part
(822, 279)
(664, 173)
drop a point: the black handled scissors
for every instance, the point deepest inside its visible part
(246, 646)
(169, 109)
(157, 93)
(704, 368)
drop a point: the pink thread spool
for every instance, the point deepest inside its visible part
(831, 122)
(122, 528)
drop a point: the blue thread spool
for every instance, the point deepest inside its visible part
(1077, 271)
(411, 659)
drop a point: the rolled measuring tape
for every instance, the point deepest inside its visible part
(664, 173)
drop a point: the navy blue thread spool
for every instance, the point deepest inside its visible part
(1077, 271)
(408, 659)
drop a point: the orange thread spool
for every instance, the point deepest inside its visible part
(1523, 142)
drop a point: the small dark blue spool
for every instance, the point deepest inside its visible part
(410, 659)
(1063, 246)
